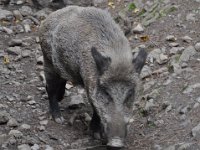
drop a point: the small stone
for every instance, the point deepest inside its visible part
(146, 72)
(19, 2)
(68, 86)
(197, 47)
(40, 60)
(184, 110)
(76, 101)
(15, 42)
(18, 15)
(26, 11)
(44, 122)
(49, 147)
(26, 53)
(190, 17)
(87, 117)
(4, 14)
(35, 147)
(7, 30)
(24, 147)
(174, 44)
(196, 105)
(162, 59)
(4, 117)
(12, 122)
(169, 108)
(187, 54)
(32, 102)
(16, 133)
(41, 128)
(191, 88)
(198, 99)
(37, 39)
(14, 50)
(184, 65)
(27, 28)
(25, 127)
(42, 77)
(149, 104)
(138, 29)
(196, 132)
(171, 38)
(187, 39)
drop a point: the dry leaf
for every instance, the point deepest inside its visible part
(111, 4)
(6, 60)
(144, 38)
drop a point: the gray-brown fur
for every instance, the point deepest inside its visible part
(85, 46)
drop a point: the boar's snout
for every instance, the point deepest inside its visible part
(115, 143)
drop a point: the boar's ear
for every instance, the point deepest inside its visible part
(140, 59)
(102, 62)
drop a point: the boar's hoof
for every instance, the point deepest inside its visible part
(59, 120)
(115, 144)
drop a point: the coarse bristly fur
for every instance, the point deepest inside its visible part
(85, 45)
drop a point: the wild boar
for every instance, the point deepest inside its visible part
(85, 46)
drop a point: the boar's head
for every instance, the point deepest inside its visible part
(113, 97)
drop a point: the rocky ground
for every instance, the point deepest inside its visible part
(165, 118)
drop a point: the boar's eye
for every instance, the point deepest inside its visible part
(106, 94)
(129, 98)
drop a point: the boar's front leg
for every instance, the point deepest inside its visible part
(95, 126)
(55, 87)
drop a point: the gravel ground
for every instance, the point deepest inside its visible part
(165, 118)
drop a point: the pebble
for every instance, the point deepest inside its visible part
(4, 14)
(149, 104)
(44, 122)
(171, 38)
(187, 39)
(18, 15)
(16, 133)
(16, 50)
(191, 88)
(25, 127)
(176, 50)
(4, 117)
(7, 30)
(40, 60)
(35, 147)
(138, 29)
(145, 72)
(48, 147)
(187, 54)
(24, 147)
(15, 42)
(196, 132)
(27, 28)
(76, 101)
(190, 17)
(174, 44)
(12, 122)
(197, 47)
(26, 11)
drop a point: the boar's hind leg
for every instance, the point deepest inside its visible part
(55, 87)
